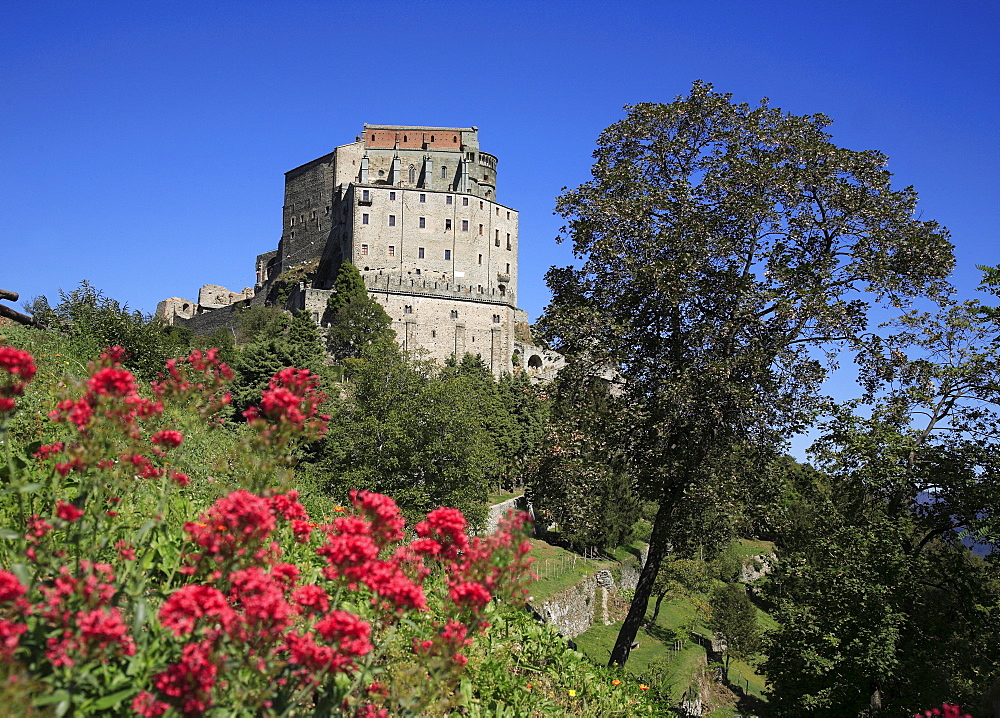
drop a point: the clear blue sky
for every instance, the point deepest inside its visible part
(143, 144)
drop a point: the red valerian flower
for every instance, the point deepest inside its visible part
(188, 684)
(47, 451)
(17, 363)
(68, 512)
(447, 527)
(386, 521)
(168, 438)
(10, 636)
(11, 588)
(311, 598)
(196, 606)
(112, 381)
(469, 594)
(347, 631)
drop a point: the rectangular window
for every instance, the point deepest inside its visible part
(480, 204)
(423, 198)
(364, 218)
(508, 268)
(508, 215)
(465, 201)
(364, 249)
(508, 240)
(498, 211)
(447, 254)
(480, 259)
(454, 314)
(392, 220)
(422, 222)
(448, 199)
(496, 318)
(465, 225)
(480, 228)
(447, 224)
(365, 195)
(496, 239)
(392, 195)
(392, 250)
(408, 309)
(420, 253)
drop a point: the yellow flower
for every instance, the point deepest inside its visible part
(643, 687)
(572, 694)
(616, 682)
(339, 508)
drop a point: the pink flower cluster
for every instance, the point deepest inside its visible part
(12, 606)
(82, 623)
(289, 406)
(17, 368)
(201, 375)
(947, 710)
(111, 393)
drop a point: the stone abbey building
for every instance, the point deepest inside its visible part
(415, 210)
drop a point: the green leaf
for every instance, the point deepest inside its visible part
(30, 488)
(111, 700)
(10, 534)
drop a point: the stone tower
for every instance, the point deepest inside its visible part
(415, 209)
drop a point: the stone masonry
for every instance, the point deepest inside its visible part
(415, 210)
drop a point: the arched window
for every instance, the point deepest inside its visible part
(444, 172)
(413, 174)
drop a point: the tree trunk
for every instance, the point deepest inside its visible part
(658, 544)
(656, 608)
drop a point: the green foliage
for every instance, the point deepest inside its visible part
(735, 618)
(95, 321)
(577, 480)
(883, 603)
(354, 321)
(278, 343)
(722, 245)
(432, 437)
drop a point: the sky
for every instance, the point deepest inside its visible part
(143, 144)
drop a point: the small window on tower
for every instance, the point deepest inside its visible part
(508, 215)
(364, 249)
(465, 201)
(496, 318)
(447, 254)
(480, 228)
(365, 195)
(498, 211)
(480, 204)
(496, 239)
(392, 195)
(444, 172)
(508, 240)
(423, 198)
(392, 220)
(392, 250)
(508, 268)
(480, 259)
(422, 222)
(448, 199)
(364, 218)
(447, 224)
(408, 309)
(454, 314)
(465, 225)
(420, 253)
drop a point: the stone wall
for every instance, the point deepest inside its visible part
(576, 609)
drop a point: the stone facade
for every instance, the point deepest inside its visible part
(415, 209)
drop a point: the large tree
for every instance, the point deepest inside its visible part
(721, 245)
